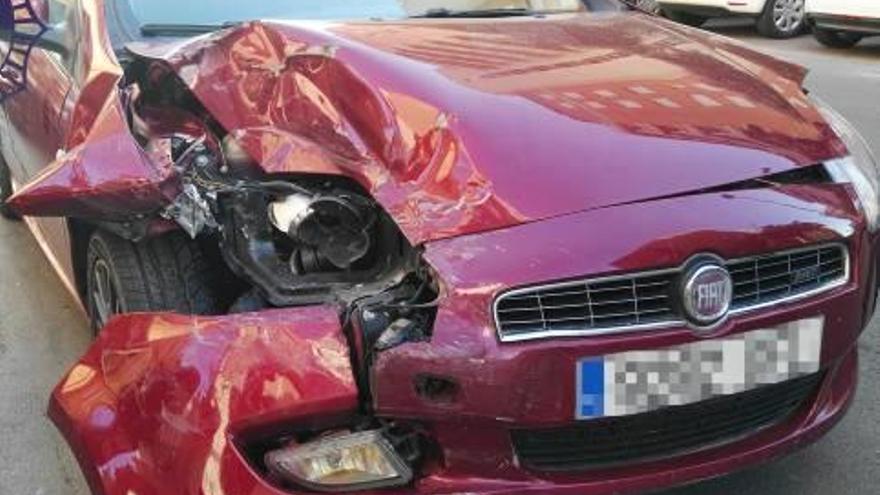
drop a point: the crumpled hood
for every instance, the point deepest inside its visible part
(462, 126)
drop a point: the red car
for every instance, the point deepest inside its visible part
(437, 247)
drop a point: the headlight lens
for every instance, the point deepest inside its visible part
(847, 171)
(342, 463)
(858, 169)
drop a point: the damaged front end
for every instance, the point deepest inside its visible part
(279, 385)
(271, 394)
(315, 192)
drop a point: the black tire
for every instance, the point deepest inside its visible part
(167, 273)
(686, 18)
(6, 191)
(836, 39)
(783, 19)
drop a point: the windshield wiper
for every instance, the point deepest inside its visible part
(157, 30)
(442, 12)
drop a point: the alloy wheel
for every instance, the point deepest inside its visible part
(105, 295)
(788, 15)
(651, 6)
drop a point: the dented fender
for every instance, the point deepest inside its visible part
(157, 403)
(107, 177)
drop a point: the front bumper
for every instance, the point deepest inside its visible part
(121, 457)
(811, 422)
(715, 7)
(480, 456)
(869, 26)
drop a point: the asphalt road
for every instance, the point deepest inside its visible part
(42, 333)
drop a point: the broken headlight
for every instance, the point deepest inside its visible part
(333, 230)
(859, 168)
(311, 241)
(341, 463)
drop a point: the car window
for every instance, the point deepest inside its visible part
(213, 12)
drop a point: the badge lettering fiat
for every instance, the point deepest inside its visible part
(708, 292)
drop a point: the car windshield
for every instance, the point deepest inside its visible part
(221, 12)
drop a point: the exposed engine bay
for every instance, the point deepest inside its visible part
(287, 240)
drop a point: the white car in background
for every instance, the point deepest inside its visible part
(776, 18)
(843, 23)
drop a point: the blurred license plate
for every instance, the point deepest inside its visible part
(641, 381)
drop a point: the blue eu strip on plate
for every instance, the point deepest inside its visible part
(591, 388)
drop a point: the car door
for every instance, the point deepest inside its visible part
(37, 118)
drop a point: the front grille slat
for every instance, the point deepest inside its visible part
(667, 432)
(642, 300)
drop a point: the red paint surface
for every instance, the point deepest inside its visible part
(465, 126)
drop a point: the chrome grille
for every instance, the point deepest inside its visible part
(767, 279)
(593, 304)
(648, 300)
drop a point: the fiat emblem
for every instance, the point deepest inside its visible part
(708, 292)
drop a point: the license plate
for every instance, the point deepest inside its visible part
(642, 381)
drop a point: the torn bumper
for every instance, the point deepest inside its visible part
(157, 403)
(119, 460)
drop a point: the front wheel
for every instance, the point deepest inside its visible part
(836, 39)
(167, 273)
(782, 19)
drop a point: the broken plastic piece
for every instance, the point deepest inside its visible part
(397, 333)
(191, 212)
